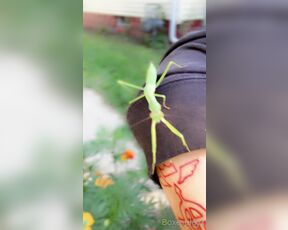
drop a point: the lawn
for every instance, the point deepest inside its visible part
(109, 58)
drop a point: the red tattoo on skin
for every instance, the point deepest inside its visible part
(187, 170)
(163, 181)
(192, 214)
(167, 169)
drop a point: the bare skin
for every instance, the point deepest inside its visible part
(183, 179)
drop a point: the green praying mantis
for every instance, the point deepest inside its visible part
(156, 114)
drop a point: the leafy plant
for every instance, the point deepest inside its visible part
(118, 200)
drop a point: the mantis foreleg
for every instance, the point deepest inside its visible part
(136, 99)
(154, 144)
(176, 132)
(165, 72)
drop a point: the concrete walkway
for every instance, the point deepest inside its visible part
(97, 114)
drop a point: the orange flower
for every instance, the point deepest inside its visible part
(104, 181)
(127, 155)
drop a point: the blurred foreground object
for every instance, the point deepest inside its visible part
(267, 212)
(247, 91)
(41, 124)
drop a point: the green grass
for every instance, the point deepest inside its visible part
(108, 58)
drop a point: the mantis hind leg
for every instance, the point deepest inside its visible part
(166, 70)
(176, 132)
(154, 144)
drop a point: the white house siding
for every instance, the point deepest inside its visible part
(187, 9)
(192, 10)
